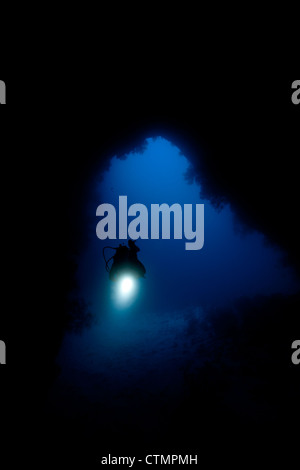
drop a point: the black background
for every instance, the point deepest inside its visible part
(49, 123)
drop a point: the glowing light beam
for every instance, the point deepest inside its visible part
(126, 289)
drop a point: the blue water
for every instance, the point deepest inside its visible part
(136, 353)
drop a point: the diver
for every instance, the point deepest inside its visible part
(120, 260)
(121, 254)
(133, 250)
(125, 260)
(133, 259)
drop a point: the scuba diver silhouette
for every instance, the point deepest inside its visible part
(125, 261)
(133, 259)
